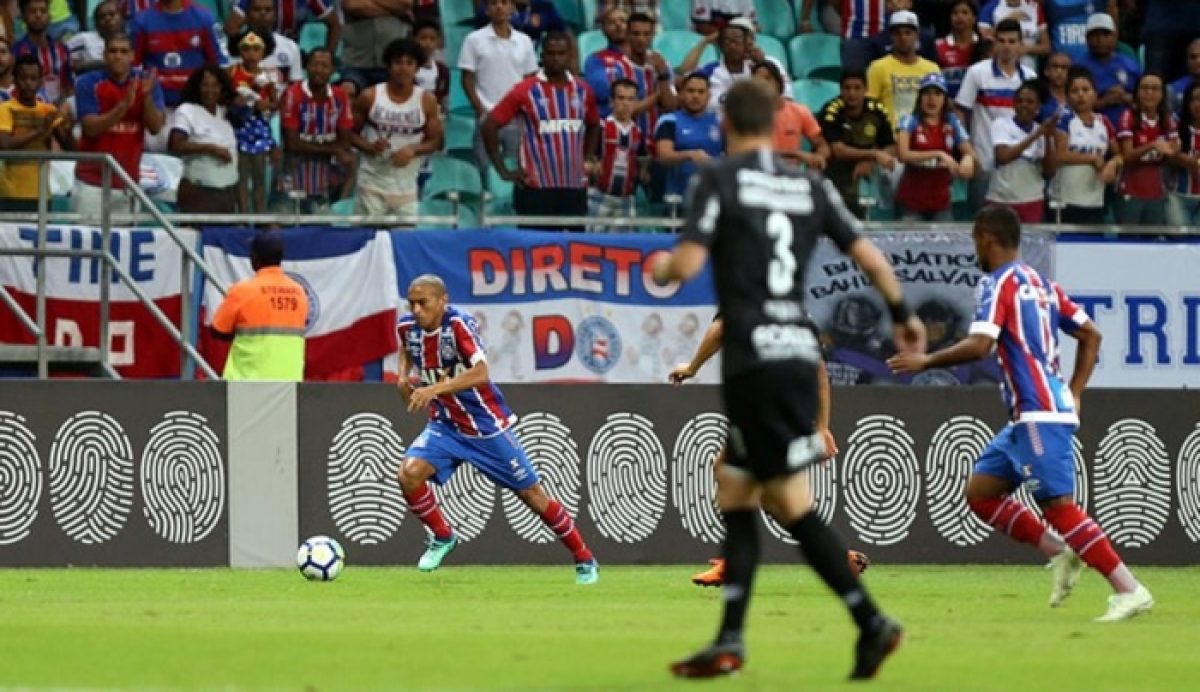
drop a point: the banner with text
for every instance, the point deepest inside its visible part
(1146, 300)
(563, 307)
(139, 345)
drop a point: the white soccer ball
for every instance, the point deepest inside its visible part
(320, 558)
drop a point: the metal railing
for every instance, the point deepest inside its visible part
(40, 252)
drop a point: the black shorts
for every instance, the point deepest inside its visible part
(772, 420)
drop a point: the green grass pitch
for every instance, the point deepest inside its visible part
(531, 628)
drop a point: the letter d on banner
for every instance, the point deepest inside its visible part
(553, 341)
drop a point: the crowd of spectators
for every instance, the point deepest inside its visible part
(1083, 111)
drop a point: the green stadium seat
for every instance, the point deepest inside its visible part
(775, 18)
(814, 93)
(460, 132)
(572, 14)
(449, 174)
(675, 16)
(457, 12)
(455, 35)
(774, 48)
(589, 14)
(312, 35)
(214, 6)
(816, 56)
(342, 207)
(468, 215)
(589, 42)
(459, 103)
(675, 45)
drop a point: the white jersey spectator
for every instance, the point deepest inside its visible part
(708, 15)
(496, 61)
(1035, 35)
(285, 65)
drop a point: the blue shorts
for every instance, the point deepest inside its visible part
(1039, 455)
(500, 457)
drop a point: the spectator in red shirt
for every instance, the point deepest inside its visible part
(317, 120)
(560, 124)
(58, 82)
(621, 145)
(116, 106)
(961, 48)
(1148, 135)
(928, 141)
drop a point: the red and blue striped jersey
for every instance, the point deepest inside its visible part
(555, 118)
(57, 79)
(442, 354)
(290, 15)
(317, 121)
(130, 8)
(862, 18)
(98, 93)
(601, 69)
(1023, 312)
(647, 82)
(620, 145)
(175, 44)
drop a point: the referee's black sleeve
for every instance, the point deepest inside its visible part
(703, 204)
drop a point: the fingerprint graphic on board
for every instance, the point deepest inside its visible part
(822, 484)
(953, 449)
(364, 497)
(693, 490)
(182, 478)
(1187, 485)
(555, 456)
(881, 480)
(627, 478)
(466, 501)
(1080, 494)
(91, 477)
(1132, 483)
(20, 478)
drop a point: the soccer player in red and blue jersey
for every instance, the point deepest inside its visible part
(173, 38)
(559, 130)
(468, 422)
(1019, 314)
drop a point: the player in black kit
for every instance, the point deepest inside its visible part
(760, 218)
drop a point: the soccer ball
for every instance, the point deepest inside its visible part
(320, 558)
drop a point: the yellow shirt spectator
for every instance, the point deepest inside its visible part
(20, 180)
(895, 84)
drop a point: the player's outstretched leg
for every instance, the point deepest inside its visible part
(559, 520)
(1008, 516)
(413, 475)
(727, 654)
(1089, 542)
(878, 635)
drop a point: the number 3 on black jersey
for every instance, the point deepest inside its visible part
(781, 270)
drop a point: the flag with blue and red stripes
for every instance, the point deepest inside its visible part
(452, 348)
(1023, 312)
(554, 120)
(175, 44)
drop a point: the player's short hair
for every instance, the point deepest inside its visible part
(1080, 72)
(26, 60)
(852, 74)
(1000, 222)
(432, 280)
(314, 51)
(696, 75)
(750, 108)
(118, 36)
(267, 248)
(404, 47)
(1037, 86)
(772, 70)
(423, 24)
(23, 5)
(1008, 26)
(625, 83)
(640, 18)
(556, 35)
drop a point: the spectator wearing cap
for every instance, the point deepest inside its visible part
(1170, 25)
(794, 124)
(934, 147)
(881, 43)
(960, 48)
(860, 136)
(987, 95)
(713, 15)
(264, 316)
(604, 67)
(1114, 72)
(1035, 35)
(534, 18)
(689, 137)
(493, 60)
(291, 15)
(736, 46)
(87, 47)
(1193, 75)
(1067, 20)
(893, 79)
(1024, 155)
(862, 20)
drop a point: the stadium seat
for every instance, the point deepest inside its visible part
(460, 132)
(675, 16)
(86, 22)
(501, 191)
(775, 18)
(674, 45)
(449, 174)
(455, 35)
(589, 42)
(468, 215)
(572, 14)
(458, 12)
(213, 6)
(342, 207)
(588, 7)
(459, 103)
(816, 56)
(814, 93)
(774, 48)
(312, 35)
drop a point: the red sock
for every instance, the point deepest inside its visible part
(563, 526)
(423, 504)
(1085, 537)
(1010, 517)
